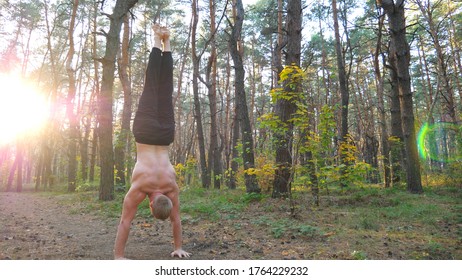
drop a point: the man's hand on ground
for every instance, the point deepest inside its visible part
(180, 253)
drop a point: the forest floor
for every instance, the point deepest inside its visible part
(369, 223)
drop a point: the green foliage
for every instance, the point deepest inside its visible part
(433, 250)
(213, 204)
(87, 187)
(252, 197)
(291, 77)
(272, 122)
(320, 142)
(454, 176)
(289, 227)
(359, 255)
(369, 223)
(186, 174)
(264, 170)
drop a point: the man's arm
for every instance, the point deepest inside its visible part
(130, 205)
(176, 227)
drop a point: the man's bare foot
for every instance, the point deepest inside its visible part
(157, 29)
(165, 33)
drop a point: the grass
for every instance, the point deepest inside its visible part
(369, 207)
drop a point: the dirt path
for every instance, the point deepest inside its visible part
(38, 226)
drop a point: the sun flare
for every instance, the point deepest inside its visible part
(23, 110)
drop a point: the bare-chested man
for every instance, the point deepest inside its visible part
(154, 128)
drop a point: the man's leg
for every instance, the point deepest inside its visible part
(154, 121)
(148, 100)
(166, 86)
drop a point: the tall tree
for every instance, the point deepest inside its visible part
(381, 105)
(123, 139)
(236, 50)
(71, 114)
(45, 176)
(214, 152)
(400, 51)
(95, 93)
(344, 90)
(433, 28)
(105, 98)
(285, 108)
(397, 150)
(205, 176)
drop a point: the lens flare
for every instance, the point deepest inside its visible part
(23, 109)
(440, 142)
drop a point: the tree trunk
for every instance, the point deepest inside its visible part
(385, 148)
(234, 152)
(20, 160)
(277, 51)
(122, 143)
(71, 115)
(105, 99)
(93, 155)
(397, 152)
(96, 92)
(236, 50)
(9, 183)
(231, 132)
(427, 88)
(286, 108)
(205, 176)
(344, 92)
(181, 139)
(455, 50)
(215, 153)
(47, 148)
(448, 92)
(399, 50)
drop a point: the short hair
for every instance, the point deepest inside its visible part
(161, 207)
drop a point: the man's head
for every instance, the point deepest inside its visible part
(161, 206)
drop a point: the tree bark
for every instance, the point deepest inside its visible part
(105, 99)
(448, 92)
(236, 50)
(234, 166)
(344, 92)
(14, 166)
(399, 50)
(397, 151)
(286, 108)
(385, 147)
(214, 152)
(20, 149)
(122, 144)
(96, 93)
(71, 115)
(182, 141)
(205, 176)
(45, 178)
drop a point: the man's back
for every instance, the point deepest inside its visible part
(153, 171)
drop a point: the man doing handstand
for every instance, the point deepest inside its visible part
(154, 129)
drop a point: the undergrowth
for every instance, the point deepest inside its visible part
(347, 215)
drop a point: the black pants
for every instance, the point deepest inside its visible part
(154, 122)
